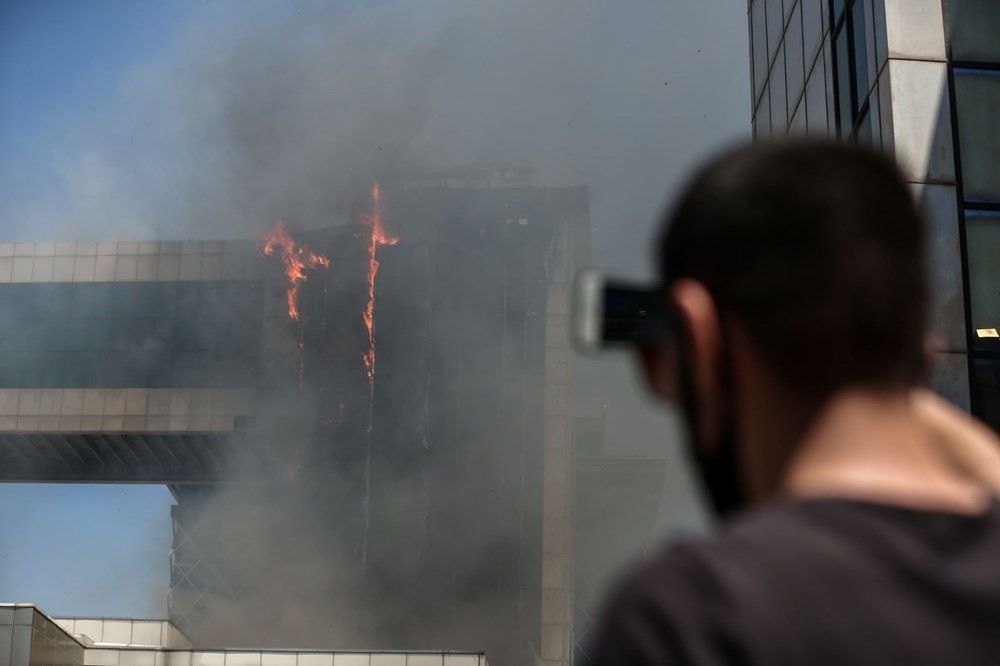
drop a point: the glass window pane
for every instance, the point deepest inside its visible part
(186, 303)
(120, 337)
(816, 102)
(860, 45)
(871, 59)
(759, 45)
(114, 370)
(974, 27)
(52, 299)
(977, 99)
(779, 99)
(812, 28)
(875, 118)
(99, 334)
(775, 22)
(845, 118)
(762, 121)
(73, 369)
(982, 232)
(837, 9)
(124, 297)
(36, 335)
(986, 386)
(788, 8)
(94, 300)
(187, 335)
(76, 334)
(879, 32)
(798, 123)
(864, 133)
(794, 72)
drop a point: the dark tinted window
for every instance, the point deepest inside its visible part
(987, 388)
(837, 7)
(977, 100)
(974, 27)
(130, 334)
(857, 25)
(982, 231)
(845, 117)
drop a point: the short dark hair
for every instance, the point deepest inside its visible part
(818, 249)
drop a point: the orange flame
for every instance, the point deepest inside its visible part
(296, 258)
(378, 237)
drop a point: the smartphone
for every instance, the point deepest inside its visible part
(609, 314)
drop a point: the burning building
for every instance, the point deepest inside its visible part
(365, 427)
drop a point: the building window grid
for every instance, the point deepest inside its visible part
(984, 354)
(985, 349)
(114, 335)
(771, 61)
(795, 58)
(843, 16)
(959, 67)
(854, 82)
(764, 78)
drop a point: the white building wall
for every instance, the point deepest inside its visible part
(139, 657)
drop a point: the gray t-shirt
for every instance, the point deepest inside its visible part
(818, 581)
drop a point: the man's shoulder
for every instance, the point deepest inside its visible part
(771, 555)
(763, 537)
(811, 581)
(737, 588)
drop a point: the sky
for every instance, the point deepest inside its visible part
(209, 119)
(66, 546)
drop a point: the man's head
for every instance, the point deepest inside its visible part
(791, 267)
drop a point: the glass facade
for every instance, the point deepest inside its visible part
(974, 55)
(982, 230)
(794, 66)
(791, 68)
(130, 334)
(855, 46)
(973, 27)
(920, 80)
(818, 72)
(977, 103)
(986, 380)
(758, 49)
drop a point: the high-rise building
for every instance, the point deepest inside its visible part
(920, 80)
(376, 456)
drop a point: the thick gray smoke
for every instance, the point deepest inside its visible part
(286, 112)
(253, 116)
(258, 114)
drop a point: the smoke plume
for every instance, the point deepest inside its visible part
(288, 110)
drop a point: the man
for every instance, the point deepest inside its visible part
(795, 276)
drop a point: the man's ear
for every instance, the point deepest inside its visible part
(660, 368)
(698, 321)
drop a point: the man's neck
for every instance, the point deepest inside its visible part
(868, 445)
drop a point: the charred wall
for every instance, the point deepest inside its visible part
(422, 490)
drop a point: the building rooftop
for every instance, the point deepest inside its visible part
(28, 635)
